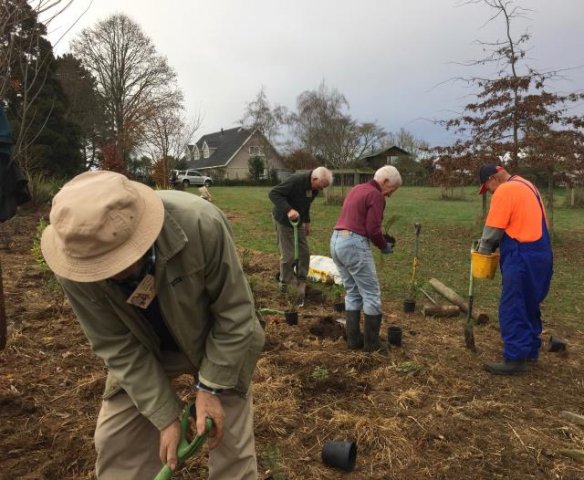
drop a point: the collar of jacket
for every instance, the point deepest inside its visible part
(171, 240)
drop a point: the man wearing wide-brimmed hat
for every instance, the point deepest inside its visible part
(156, 284)
(517, 224)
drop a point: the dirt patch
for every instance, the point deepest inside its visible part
(327, 327)
(427, 410)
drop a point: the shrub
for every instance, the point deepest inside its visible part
(574, 198)
(42, 190)
(40, 261)
(333, 198)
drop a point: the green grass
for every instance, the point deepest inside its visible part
(448, 230)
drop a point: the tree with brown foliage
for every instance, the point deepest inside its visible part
(166, 134)
(300, 160)
(515, 116)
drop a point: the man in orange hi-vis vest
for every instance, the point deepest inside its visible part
(517, 224)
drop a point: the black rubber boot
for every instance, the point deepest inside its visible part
(353, 329)
(507, 367)
(371, 335)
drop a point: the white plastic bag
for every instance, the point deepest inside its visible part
(323, 269)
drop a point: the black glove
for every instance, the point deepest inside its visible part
(389, 239)
(387, 249)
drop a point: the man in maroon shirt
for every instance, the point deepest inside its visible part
(359, 224)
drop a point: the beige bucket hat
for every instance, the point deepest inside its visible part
(100, 224)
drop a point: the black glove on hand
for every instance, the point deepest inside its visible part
(389, 239)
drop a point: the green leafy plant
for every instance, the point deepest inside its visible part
(41, 189)
(40, 261)
(291, 301)
(36, 248)
(337, 293)
(412, 290)
(409, 367)
(271, 458)
(320, 373)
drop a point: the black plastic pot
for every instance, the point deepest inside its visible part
(291, 318)
(394, 335)
(557, 345)
(409, 305)
(339, 307)
(340, 454)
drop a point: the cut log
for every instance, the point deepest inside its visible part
(573, 417)
(577, 455)
(480, 317)
(430, 310)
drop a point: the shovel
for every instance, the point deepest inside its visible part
(186, 449)
(296, 265)
(468, 328)
(296, 250)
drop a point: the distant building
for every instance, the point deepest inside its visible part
(225, 154)
(385, 156)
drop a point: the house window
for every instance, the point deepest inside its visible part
(255, 151)
(205, 150)
(196, 153)
(391, 160)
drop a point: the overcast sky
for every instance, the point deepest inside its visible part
(392, 59)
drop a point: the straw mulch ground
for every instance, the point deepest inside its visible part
(426, 411)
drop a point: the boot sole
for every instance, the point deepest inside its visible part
(505, 373)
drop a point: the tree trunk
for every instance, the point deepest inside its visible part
(3, 322)
(480, 317)
(550, 210)
(573, 417)
(430, 310)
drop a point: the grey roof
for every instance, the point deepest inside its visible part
(226, 144)
(395, 150)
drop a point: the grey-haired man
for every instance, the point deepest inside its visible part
(292, 200)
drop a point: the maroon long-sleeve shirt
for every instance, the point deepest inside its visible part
(362, 212)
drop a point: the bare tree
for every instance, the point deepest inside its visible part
(327, 131)
(268, 119)
(167, 133)
(406, 140)
(132, 79)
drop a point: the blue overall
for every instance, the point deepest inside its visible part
(526, 269)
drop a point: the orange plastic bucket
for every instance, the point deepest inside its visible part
(484, 266)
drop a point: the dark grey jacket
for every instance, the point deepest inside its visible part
(293, 193)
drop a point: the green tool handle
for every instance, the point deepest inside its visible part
(186, 449)
(295, 227)
(470, 294)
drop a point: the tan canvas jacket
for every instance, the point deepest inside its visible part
(206, 303)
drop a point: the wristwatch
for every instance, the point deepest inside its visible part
(206, 388)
